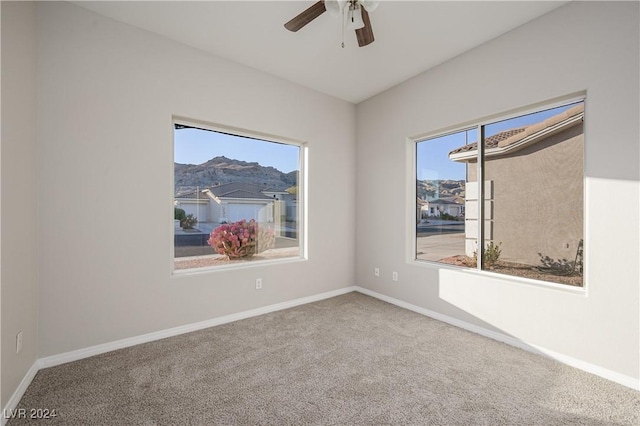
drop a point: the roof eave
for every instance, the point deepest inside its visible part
(523, 143)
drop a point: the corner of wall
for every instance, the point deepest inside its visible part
(18, 199)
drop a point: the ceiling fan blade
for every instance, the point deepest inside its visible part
(365, 34)
(306, 16)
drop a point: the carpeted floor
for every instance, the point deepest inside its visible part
(347, 360)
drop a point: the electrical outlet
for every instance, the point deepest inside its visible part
(19, 342)
(258, 283)
(376, 272)
(394, 276)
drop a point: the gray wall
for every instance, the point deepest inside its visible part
(583, 46)
(107, 93)
(19, 240)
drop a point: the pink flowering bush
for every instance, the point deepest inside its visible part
(241, 239)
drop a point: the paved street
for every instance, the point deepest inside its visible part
(197, 246)
(434, 226)
(435, 240)
(438, 246)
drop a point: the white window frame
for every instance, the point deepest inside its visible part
(411, 194)
(302, 202)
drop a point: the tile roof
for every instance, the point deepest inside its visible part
(230, 190)
(191, 195)
(444, 201)
(491, 141)
(240, 193)
(511, 136)
(238, 190)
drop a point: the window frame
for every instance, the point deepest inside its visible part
(479, 125)
(302, 195)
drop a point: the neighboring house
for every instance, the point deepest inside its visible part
(533, 205)
(234, 201)
(289, 213)
(437, 207)
(421, 209)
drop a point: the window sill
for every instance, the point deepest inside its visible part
(222, 264)
(510, 278)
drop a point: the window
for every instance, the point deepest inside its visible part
(528, 210)
(236, 199)
(440, 189)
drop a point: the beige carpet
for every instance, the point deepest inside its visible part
(347, 360)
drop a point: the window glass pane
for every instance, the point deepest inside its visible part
(533, 208)
(441, 188)
(235, 199)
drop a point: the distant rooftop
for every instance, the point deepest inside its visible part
(229, 190)
(444, 201)
(238, 190)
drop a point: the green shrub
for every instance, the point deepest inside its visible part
(491, 254)
(188, 222)
(292, 190)
(179, 214)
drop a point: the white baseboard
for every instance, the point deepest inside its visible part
(66, 357)
(622, 379)
(17, 395)
(63, 358)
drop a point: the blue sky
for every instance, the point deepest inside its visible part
(196, 146)
(433, 154)
(433, 157)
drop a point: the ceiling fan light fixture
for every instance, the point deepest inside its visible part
(335, 7)
(354, 17)
(370, 5)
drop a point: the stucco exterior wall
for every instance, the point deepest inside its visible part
(538, 198)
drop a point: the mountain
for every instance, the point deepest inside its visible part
(221, 170)
(436, 189)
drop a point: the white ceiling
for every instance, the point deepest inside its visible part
(411, 36)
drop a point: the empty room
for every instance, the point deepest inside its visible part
(320, 212)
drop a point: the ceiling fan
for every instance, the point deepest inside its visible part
(356, 12)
